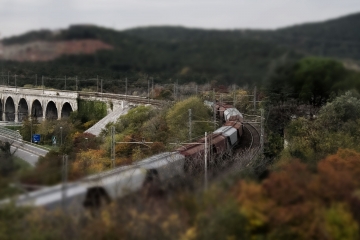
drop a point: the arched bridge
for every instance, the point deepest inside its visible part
(17, 103)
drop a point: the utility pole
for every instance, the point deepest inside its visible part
(234, 98)
(148, 80)
(101, 86)
(35, 80)
(97, 83)
(8, 78)
(214, 110)
(190, 125)
(196, 89)
(205, 159)
(152, 87)
(64, 179)
(15, 82)
(76, 82)
(174, 91)
(112, 146)
(255, 98)
(262, 132)
(65, 82)
(42, 83)
(125, 88)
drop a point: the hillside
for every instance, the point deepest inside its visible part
(225, 60)
(177, 53)
(333, 38)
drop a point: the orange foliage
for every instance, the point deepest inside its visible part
(91, 161)
(296, 201)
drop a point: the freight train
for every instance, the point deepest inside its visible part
(94, 190)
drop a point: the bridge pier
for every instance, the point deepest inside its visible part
(16, 113)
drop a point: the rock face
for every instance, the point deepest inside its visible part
(46, 50)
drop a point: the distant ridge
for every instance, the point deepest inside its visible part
(168, 53)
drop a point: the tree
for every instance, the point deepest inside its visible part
(340, 111)
(177, 119)
(316, 78)
(7, 163)
(29, 126)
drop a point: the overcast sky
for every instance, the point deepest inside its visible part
(20, 16)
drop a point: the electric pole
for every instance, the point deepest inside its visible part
(255, 98)
(174, 91)
(234, 98)
(97, 83)
(125, 88)
(35, 80)
(214, 109)
(148, 80)
(76, 82)
(65, 82)
(205, 159)
(262, 132)
(64, 179)
(112, 146)
(190, 125)
(42, 82)
(152, 87)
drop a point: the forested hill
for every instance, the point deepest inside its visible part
(170, 53)
(178, 33)
(223, 60)
(333, 38)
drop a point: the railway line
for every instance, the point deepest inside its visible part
(130, 98)
(244, 154)
(234, 144)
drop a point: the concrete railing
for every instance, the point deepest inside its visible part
(10, 133)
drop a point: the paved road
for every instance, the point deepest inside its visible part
(30, 158)
(25, 151)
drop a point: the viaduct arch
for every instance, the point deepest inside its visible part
(17, 104)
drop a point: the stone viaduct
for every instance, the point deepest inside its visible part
(17, 103)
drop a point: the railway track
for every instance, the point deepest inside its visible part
(255, 137)
(245, 153)
(134, 99)
(130, 98)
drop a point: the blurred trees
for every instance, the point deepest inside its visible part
(297, 203)
(177, 119)
(335, 127)
(310, 80)
(314, 79)
(7, 162)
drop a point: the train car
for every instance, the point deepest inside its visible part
(194, 153)
(222, 108)
(52, 197)
(115, 185)
(237, 125)
(231, 135)
(164, 166)
(232, 114)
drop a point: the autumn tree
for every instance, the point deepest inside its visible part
(177, 119)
